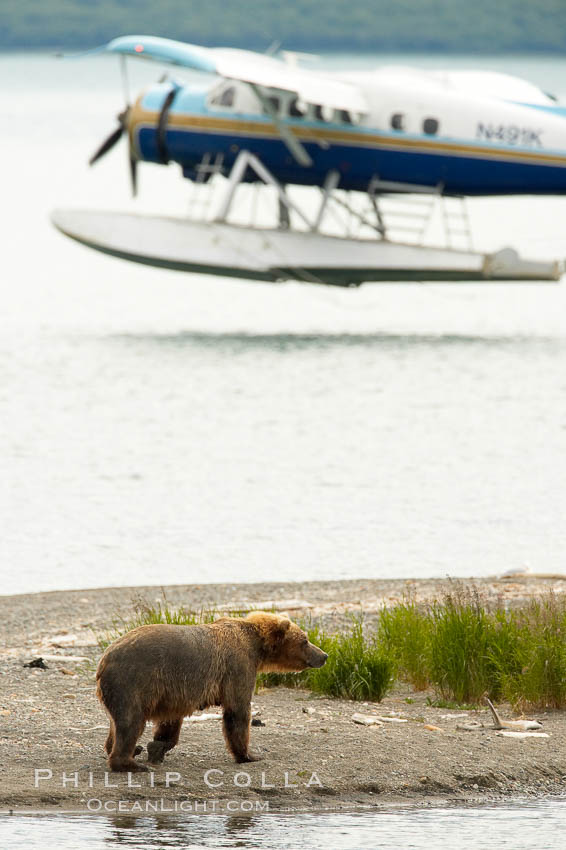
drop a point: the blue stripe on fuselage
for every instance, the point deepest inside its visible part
(552, 109)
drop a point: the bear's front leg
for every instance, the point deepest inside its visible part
(236, 724)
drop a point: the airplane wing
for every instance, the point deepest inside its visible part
(254, 68)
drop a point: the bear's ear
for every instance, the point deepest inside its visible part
(271, 627)
(276, 632)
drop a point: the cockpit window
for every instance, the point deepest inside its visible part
(398, 121)
(275, 103)
(430, 126)
(344, 116)
(225, 97)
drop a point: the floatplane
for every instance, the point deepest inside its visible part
(361, 139)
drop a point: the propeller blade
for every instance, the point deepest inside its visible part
(134, 175)
(113, 139)
(107, 144)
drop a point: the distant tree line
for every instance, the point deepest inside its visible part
(364, 25)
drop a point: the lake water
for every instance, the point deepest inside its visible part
(166, 428)
(517, 827)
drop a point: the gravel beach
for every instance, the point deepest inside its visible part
(314, 755)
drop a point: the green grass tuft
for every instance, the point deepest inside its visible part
(464, 645)
(146, 614)
(405, 632)
(538, 677)
(357, 668)
(465, 648)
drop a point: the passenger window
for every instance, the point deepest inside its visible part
(323, 113)
(344, 116)
(430, 126)
(398, 121)
(294, 110)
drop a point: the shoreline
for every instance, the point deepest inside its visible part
(50, 719)
(384, 806)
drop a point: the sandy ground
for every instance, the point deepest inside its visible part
(314, 756)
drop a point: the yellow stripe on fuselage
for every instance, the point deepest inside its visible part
(263, 129)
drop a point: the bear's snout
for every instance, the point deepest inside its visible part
(317, 658)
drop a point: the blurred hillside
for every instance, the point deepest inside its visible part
(364, 25)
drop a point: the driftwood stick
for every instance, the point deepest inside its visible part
(521, 725)
(496, 719)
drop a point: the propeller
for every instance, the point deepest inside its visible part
(133, 174)
(112, 140)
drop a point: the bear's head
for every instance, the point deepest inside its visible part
(285, 646)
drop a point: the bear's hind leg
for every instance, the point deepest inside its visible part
(126, 735)
(236, 726)
(110, 739)
(165, 737)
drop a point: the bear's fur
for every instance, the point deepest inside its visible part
(165, 673)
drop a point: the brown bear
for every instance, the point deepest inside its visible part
(164, 673)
